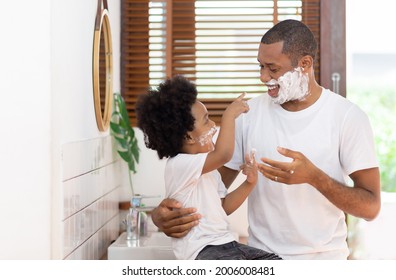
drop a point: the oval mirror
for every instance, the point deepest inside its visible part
(102, 68)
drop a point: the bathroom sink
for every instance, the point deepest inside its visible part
(154, 246)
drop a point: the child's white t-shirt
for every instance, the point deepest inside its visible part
(185, 183)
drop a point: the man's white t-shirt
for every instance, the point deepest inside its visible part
(184, 182)
(297, 221)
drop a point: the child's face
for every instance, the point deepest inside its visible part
(204, 128)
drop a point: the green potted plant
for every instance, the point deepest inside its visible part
(124, 135)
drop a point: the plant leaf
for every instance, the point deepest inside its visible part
(124, 134)
(123, 111)
(135, 150)
(123, 144)
(122, 123)
(131, 166)
(116, 128)
(132, 132)
(125, 156)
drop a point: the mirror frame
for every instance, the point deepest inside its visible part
(102, 23)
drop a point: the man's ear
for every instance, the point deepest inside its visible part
(306, 62)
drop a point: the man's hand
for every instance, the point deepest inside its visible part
(300, 170)
(173, 220)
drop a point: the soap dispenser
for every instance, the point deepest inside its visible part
(133, 219)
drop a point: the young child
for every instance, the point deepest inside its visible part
(177, 126)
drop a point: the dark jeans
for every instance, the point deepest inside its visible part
(234, 251)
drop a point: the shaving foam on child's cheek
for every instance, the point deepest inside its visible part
(206, 138)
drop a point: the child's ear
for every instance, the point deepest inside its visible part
(189, 139)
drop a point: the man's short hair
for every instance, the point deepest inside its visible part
(298, 40)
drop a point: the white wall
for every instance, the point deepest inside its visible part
(72, 26)
(47, 98)
(370, 26)
(149, 178)
(25, 150)
(73, 116)
(370, 31)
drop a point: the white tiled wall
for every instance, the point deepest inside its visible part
(91, 183)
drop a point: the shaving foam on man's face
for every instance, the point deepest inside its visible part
(293, 85)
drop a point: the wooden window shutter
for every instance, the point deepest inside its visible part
(311, 17)
(213, 43)
(181, 39)
(228, 34)
(134, 52)
(157, 41)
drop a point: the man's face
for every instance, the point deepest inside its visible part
(273, 64)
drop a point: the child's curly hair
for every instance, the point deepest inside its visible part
(164, 115)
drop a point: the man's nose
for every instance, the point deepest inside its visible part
(264, 76)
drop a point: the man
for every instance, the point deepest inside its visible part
(309, 141)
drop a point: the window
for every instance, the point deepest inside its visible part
(212, 42)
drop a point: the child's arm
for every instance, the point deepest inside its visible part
(235, 199)
(224, 147)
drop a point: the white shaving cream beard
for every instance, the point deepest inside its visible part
(293, 85)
